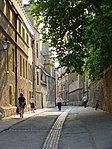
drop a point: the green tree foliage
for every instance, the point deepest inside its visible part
(98, 37)
(79, 30)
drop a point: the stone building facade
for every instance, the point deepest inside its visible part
(16, 61)
(62, 84)
(36, 73)
(72, 87)
(43, 74)
(48, 82)
(75, 89)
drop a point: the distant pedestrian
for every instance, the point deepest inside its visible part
(85, 101)
(97, 105)
(59, 101)
(32, 104)
(22, 104)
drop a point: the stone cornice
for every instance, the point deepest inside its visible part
(19, 7)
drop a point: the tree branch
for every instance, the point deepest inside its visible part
(106, 18)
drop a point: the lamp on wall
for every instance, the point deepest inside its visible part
(4, 44)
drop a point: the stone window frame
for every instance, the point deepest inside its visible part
(20, 65)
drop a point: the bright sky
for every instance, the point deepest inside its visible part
(25, 1)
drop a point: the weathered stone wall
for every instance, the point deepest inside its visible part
(108, 89)
(75, 97)
(51, 96)
(96, 93)
(102, 91)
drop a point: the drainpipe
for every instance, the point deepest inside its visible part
(33, 69)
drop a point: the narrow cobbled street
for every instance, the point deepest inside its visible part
(71, 128)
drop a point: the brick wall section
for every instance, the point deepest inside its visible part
(108, 89)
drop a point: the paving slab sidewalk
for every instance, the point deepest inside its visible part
(8, 122)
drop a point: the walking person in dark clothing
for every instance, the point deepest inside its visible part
(59, 101)
(85, 101)
(22, 104)
(97, 105)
